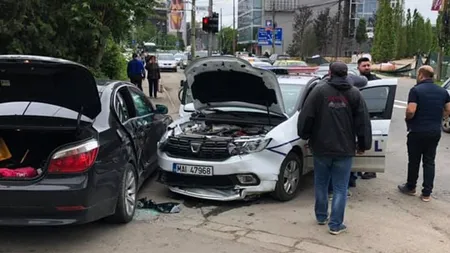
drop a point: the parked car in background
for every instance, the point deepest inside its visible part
(184, 61)
(179, 58)
(258, 64)
(446, 120)
(230, 146)
(73, 149)
(167, 62)
(289, 63)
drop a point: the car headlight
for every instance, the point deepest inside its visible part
(242, 147)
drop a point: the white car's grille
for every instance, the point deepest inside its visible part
(207, 149)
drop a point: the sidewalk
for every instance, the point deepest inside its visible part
(163, 98)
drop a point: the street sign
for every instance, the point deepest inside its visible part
(269, 23)
(265, 37)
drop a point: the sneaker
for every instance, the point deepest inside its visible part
(405, 190)
(425, 198)
(337, 231)
(324, 222)
(369, 175)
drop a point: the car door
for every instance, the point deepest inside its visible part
(149, 128)
(379, 96)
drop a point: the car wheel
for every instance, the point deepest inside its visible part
(175, 70)
(446, 124)
(291, 172)
(126, 202)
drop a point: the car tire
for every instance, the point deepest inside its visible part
(127, 200)
(291, 162)
(175, 70)
(446, 124)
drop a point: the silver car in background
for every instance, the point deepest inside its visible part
(167, 62)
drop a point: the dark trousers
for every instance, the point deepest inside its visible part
(422, 146)
(136, 80)
(153, 87)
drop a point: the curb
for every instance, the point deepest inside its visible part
(169, 97)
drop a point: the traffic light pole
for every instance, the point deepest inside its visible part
(193, 42)
(210, 33)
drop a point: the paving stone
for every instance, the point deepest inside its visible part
(265, 245)
(213, 233)
(270, 238)
(314, 247)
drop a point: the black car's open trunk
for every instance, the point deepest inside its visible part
(32, 148)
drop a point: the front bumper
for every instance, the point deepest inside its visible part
(223, 185)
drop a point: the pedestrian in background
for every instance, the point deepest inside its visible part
(333, 117)
(365, 69)
(136, 71)
(427, 104)
(153, 76)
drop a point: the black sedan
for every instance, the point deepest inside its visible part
(72, 149)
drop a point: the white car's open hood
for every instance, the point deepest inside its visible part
(224, 81)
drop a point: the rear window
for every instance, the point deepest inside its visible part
(291, 94)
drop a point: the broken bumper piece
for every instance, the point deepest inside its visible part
(211, 194)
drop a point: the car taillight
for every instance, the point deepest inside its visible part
(74, 159)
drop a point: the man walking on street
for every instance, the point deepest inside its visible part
(153, 76)
(365, 68)
(136, 71)
(333, 117)
(427, 104)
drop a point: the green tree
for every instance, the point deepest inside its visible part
(384, 43)
(428, 33)
(361, 33)
(145, 32)
(409, 34)
(321, 29)
(303, 19)
(226, 35)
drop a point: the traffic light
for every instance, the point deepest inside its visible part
(214, 22)
(206, 24)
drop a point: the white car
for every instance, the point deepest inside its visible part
(241, 139)
(167, 62)
(259, 64)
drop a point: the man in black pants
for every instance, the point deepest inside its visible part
(427, 104)
(135, 71)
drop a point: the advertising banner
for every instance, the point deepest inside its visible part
(176, 15)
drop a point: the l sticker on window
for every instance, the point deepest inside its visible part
(5, 83)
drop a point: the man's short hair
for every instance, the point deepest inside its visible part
(134, 55)
(426, 71)
(339, 69)
(363, 59)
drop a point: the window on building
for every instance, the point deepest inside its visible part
(257, 4)
(257, 17)
(245, 34)
(245, 20)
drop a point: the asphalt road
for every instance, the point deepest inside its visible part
(379, 218)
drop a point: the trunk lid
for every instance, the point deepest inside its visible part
(52, 81)
(223, 81)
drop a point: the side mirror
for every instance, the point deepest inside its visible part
(161, 109)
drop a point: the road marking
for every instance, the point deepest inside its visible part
(401, 102)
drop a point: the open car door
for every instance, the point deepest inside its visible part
(379, 96)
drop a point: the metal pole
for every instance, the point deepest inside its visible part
(234, 27)
(273, 26)
(221, 33)
(193, 42)
(210, 34)
(338, 32)
(442, 40)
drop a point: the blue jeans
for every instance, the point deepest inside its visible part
(336, 169)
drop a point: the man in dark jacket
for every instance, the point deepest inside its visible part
(427, 104)
(333, 116)
(365, 69)
(136, 71)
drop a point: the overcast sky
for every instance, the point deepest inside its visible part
(424, 7)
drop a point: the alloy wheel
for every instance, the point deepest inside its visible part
(130, 192)
(291, 177)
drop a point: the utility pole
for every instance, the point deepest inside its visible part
(338, 32)
(443, 36)
(273, 26)
(234, 27)
(221, 33)
(193, 41)
(210, 34)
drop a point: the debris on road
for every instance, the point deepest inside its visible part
(167, 207)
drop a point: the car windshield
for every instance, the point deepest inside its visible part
(291, 94)
(166, 57)
(179, 56)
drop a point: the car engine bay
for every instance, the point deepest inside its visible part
(224, 130)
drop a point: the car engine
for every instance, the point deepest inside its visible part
(223, 130)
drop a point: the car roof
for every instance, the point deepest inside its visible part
(300, 79)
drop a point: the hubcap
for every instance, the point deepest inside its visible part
(291, 177)
(446, 123)
(130, 192)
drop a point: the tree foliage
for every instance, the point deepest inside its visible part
(303, 19)
(361, 33)
(78, 30)
(226, 36)
(384, 37)
(322, 30)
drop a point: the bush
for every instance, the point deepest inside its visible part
(114, 64)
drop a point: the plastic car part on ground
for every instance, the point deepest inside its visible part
(168, 207)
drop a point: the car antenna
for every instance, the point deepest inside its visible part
(77, 130)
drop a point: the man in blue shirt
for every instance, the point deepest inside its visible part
(427, 104)
(136, 71)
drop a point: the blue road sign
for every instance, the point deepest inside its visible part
(269, 23)
(265, 37)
